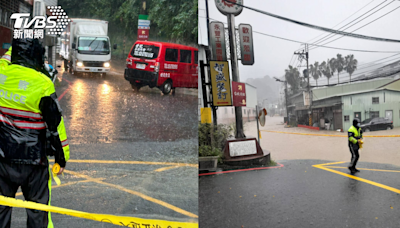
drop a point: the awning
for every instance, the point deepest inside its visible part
(302, 108)
(324, 106)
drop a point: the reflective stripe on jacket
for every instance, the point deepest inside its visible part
(22, 123)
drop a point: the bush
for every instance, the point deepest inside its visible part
(205, 150)
(220, 134)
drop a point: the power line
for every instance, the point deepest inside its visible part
(300, 42)
(318, 27)
(355, 75)
(343, 20)
(361, 79)
(345, 49)
(362, 26)
(331, 35)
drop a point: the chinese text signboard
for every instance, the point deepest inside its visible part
(217, 35)
(239, 94)
(143, 27)
(246, 44)
(229, 7)
(220, 83)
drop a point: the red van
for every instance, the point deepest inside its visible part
(163, 65)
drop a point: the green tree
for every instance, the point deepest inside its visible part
(315, 71)
(339, 65)
(350, 65)
(292, 76)
(326, 70)
(176, 19)
(332, 65)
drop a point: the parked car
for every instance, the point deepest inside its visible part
(162, 65)
(375, 124)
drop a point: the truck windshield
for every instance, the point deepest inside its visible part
(145, 51)
(94, 45)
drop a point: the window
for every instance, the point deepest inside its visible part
(375, 100)
(196, 57)
(186, 56)
(171, 55)
(374, 114)
(145, 51)
(347, 118)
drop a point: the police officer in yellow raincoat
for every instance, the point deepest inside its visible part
(355, 135)
(29, 107)
(5, 60)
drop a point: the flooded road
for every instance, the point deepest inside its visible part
(133, 153)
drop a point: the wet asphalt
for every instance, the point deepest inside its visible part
(107, 120)
(300, 195)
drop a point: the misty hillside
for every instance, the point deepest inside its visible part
(267, 88)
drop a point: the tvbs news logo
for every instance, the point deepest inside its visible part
(55, 24)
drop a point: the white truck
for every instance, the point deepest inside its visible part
(85, 46)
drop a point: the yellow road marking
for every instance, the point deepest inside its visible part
(359, 179)
(148, 198)
(66, 184)
(344, 136)
(165, 168)
(332, 163)
(378, 170)
(132, 162)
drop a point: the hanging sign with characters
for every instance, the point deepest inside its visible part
(220, 82)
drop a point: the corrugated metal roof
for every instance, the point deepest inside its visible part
(348, 89)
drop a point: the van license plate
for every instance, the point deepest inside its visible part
(93, 69)
(140, 66)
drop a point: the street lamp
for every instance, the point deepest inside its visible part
(287, 111)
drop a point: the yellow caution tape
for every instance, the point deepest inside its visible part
(55, 170)
(113, 219)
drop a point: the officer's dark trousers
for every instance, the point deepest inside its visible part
(34, 182)
(354, 156)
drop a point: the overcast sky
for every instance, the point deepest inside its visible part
(272, 56)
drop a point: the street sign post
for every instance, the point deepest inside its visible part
(217, 41)
(143, 27)
(246, 44)
(239, 94)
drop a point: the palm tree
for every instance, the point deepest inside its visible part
(292, 76)
(326, 70)
(332, 65)
(315, 71)
(339, 64)
(350, 65)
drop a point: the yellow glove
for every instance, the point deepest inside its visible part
(360, 143)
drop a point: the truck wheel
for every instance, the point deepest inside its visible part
(166, 87)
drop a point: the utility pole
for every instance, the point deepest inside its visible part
(304, 55)
(235, 72)
(286, 102)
